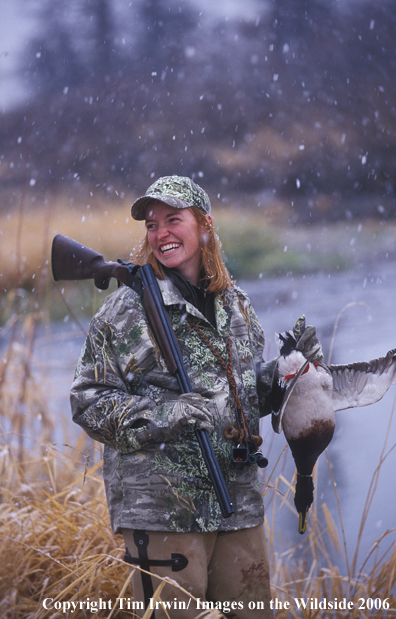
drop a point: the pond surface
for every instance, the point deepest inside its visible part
(362, 301)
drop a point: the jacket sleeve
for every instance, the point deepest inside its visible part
(103, 399)
(264, 370)
(265, 373)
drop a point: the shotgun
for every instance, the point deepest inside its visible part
(72, 261)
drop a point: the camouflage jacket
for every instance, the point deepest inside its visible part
(122, 386)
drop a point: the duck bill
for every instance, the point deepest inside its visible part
(302, 522)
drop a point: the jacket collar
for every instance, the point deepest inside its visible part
(223, 305)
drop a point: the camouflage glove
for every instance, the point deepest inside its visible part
(190, 409)
(307, 340)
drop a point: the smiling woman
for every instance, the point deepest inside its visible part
(175, 238)
(159, 493)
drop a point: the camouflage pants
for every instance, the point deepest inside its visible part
(226, 571)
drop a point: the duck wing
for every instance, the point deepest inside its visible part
(362, 383)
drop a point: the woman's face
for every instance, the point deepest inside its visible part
(174, 236)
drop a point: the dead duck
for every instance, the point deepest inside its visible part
(306, 393)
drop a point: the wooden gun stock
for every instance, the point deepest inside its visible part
(71, 260)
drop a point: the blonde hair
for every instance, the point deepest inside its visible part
(213, 270)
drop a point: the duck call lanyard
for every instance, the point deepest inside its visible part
(243, 433)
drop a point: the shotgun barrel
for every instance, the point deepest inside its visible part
(215, 474)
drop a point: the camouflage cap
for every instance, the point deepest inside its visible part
(176, 191)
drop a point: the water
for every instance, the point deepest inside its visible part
(363, 301)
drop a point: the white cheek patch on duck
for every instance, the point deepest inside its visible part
(289, 366)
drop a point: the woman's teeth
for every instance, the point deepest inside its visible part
(166, 248)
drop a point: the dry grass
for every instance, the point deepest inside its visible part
(26, 237)
(57, 543)
(55, 536)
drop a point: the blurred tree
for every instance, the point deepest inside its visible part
(75, 42)
(301, 31)
(100, 12)
(52, 62)
(297, 21)
(164, 29)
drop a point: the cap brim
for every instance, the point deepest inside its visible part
(138, 209)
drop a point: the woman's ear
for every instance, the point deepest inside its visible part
(209, 219)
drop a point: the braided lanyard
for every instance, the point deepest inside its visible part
(243, 434)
